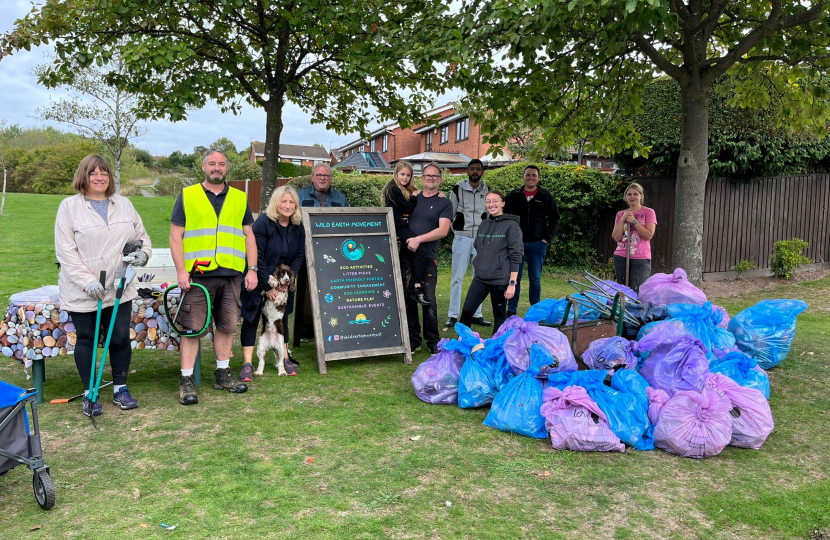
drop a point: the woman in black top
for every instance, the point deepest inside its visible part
(499, 250)
(280, 239)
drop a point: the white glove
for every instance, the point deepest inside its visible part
(95, 290)
(136, 258)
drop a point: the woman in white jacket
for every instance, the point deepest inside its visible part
(91, 230)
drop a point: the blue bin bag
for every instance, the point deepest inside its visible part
(743, 370)
(623, 403)
(476, 386)
(701, 322)
(766, 330)
(548, 311)
(517, 408)
(494, 352)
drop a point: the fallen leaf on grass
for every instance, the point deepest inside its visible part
(143, 525)
(136, 493)
(811, 353)
(309, 459)
(543, 474)
(35, 528)
(415, 438)
(134, 429)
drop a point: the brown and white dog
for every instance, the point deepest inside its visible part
(273, 313)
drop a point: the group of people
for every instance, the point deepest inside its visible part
(212, 223)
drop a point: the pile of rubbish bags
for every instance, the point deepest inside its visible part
(690, 384)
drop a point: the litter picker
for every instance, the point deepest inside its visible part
(627, 250)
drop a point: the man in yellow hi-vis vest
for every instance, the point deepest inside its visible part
(212, 222)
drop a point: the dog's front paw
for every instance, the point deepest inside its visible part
(272, 281)
(258, 373)
(283, 373)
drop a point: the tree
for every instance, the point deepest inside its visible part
(104, 113)
(3, 137)
(555, 63)
(226, 145)
(344, 63)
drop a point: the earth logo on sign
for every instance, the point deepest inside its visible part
(352, 250)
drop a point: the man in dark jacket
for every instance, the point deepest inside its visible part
(539, 221)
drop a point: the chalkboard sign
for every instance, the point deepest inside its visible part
(355, 280)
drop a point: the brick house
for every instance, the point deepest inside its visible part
(452, 143)
(292, 153)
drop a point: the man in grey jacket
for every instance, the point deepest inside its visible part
(468, 207)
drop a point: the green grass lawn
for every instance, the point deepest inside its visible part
(354, 454)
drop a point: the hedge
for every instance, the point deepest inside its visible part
(743, 143)
(582, 194)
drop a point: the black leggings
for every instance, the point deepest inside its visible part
(120, 351)
(249, 328)
(639, 271)
(476, 294)
(418, 262)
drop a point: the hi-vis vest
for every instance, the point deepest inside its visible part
(220, 241)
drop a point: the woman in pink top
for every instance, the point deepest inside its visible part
(637, 225)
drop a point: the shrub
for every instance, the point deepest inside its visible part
(172, 184)
(743, 266)
(582, 195)
(240, 170)
(787, 257)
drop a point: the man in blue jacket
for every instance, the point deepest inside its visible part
(320, 193)
(539, 221)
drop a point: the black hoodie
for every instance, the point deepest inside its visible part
(499, 249)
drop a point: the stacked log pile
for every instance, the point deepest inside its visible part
(34, 331)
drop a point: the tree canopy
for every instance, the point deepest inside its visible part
(578, 67)
(343, 63)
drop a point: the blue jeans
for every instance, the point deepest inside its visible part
(535, 253)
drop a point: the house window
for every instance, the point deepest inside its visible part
(462, 129)
(372, 146)
(297, 161)
(362, 148)
(385, 143)
(594, 163)
(428, 145)
(445, 134)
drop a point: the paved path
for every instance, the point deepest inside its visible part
(146, 193)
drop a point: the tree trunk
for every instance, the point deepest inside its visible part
(118, 173)
(3, 203)
(692, 171)
(273, 130)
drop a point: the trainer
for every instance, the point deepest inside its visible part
(212, 222)
(539, 221)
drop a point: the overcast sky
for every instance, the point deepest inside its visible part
(21, 96)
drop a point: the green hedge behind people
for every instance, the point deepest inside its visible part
(91, 231)
(211, 222)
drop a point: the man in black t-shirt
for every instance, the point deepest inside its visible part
(430, 221)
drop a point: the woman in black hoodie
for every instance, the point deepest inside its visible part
(499, 251)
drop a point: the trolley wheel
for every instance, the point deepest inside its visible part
(44, 490)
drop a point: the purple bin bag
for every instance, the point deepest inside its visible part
(508, 325)
(724, 319)
(766, 330)
(656, 399)
(751, 415)
(610, 353)
(665, 289)
(743, 370)
(701, 322)
(525, 334)
(436, 380)
(677, 361)
(517, 407)
(694, 424)
(575, 421)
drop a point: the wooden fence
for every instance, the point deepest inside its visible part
(254, 189)
(741, 221)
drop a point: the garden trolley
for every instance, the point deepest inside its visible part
(20, 440)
